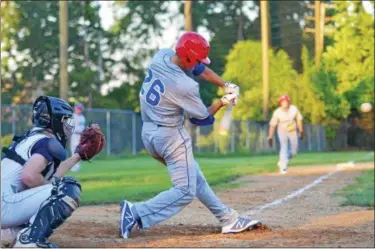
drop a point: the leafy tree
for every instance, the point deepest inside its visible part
(246, 71)
(351, 57)
(31, 41)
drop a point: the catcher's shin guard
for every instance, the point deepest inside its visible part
(53, 212)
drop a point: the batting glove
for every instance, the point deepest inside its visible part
(229, 98)
(231, 88)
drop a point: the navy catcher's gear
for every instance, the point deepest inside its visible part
(65, 198)
(56, 149)
(50, 112)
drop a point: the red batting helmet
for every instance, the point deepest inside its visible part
(284, 97)
(192, 48)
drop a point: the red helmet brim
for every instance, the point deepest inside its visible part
(206, 61)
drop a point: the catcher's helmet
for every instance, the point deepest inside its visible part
(284, 97)
(192, 49)
(55, 114)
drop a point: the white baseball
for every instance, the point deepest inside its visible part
(366, 107)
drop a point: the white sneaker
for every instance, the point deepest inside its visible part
(240, 225)
(23, 241)
(283, 171)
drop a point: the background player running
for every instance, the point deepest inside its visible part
(287, 118)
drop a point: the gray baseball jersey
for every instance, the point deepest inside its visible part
(167, 92)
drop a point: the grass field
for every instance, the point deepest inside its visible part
(139, 178)
(361, 193)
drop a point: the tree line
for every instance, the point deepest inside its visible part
(326, 94)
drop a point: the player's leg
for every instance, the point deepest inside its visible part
(229, 219)
(207, 196)
(293, 140)
(50, 213)
(17, 209)
(175, 148)
(283, 161)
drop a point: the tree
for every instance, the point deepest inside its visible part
(245, 71)
(351, 56)
(187, 15)
(31, 43)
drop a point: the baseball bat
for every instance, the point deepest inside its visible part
(225, 121)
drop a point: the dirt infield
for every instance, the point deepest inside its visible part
(312, 219)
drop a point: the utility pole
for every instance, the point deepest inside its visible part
(319, 19)
(188, 16)
(63, 19)
(265, 63)
(318, 49)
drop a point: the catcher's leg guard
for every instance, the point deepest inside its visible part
(53, 212)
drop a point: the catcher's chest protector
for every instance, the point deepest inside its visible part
(11, 171)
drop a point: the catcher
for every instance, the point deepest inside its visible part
(36, 197)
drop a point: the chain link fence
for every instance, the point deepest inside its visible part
(123, 132)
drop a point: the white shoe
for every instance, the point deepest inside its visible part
(240, 224)
(23, 241)
(283, 171)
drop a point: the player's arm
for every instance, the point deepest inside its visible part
(66, 165)
(299, 123)
(199, 114)
(273, 123)
(32, 171)
(207, 74)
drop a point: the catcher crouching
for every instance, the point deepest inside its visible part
(36, 197)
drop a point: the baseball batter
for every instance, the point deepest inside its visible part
(36, 198)
(79, 126)
(168, 91)
(287, 118)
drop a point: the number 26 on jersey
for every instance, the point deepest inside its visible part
(156, 90)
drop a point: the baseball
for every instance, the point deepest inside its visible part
(366, 107)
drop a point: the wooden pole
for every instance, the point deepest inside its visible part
(265, 62)
(187, 15)
(63, 19)
(317, 32)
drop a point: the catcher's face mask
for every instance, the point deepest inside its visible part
(68, 126)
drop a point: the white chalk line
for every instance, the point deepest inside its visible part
(296, 193)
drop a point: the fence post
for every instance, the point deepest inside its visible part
(108, 133)
(134, 134)
(232, 140)
(248, 136)
(13, 108)
(318, 140)
(309, 137)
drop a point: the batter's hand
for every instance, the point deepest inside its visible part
(234, 89)
(231, 88)
(229, 98)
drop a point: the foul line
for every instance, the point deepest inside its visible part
(339, 167)
(295, 193)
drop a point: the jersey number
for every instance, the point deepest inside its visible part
(153, 96)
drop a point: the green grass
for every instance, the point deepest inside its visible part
(362, 192)
(139, 178)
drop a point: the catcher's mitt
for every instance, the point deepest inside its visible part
(91, 142)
